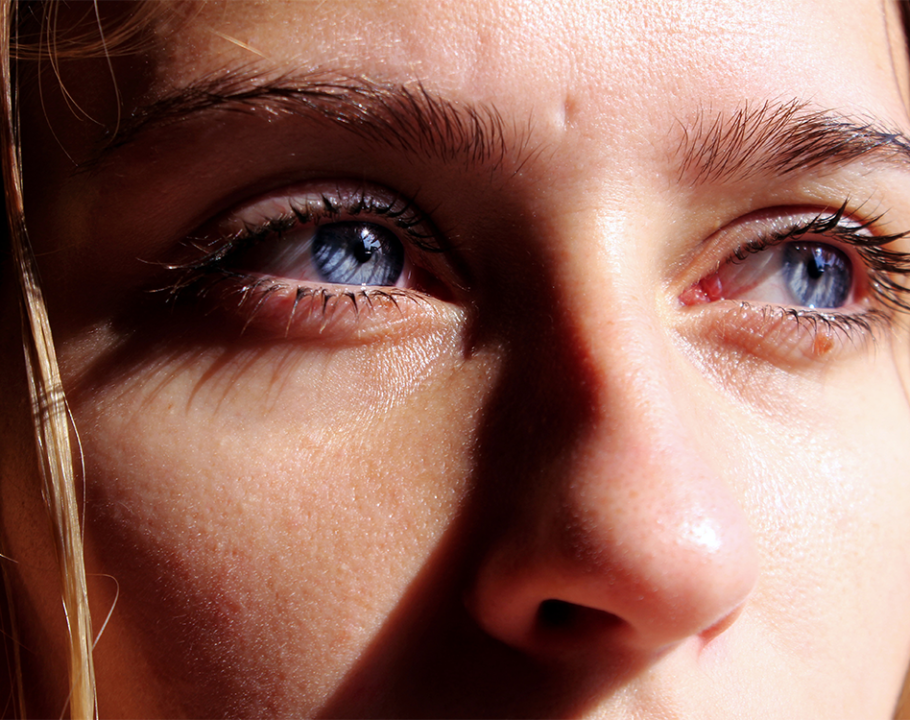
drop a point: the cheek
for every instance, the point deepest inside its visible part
(830, 501)
(275, 505)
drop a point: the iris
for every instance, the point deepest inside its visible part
(357, 253)
(817, 275)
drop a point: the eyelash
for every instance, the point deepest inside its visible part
(880, 263)
(200, 276)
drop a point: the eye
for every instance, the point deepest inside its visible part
(318, 260)
(793, 259)
(795, 284)
(320, 235)
(805, 274)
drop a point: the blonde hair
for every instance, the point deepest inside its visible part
(55, 436)
(52, 427)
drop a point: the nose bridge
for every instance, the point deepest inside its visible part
(645, 499)
(644, 450)
(644, 476)
(644, 473)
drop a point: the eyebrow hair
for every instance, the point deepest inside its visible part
(408, 117)
(773, 138)
(782, 139)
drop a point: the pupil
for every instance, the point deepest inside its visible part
(368, 244)
(815, 268)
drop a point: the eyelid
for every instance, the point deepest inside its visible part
(319, 201)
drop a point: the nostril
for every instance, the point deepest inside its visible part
(556, 613)
(569, 618)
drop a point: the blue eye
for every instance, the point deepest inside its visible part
(357, 253)
(802, 274)
(816, 275)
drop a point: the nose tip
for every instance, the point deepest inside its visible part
(620, 565)
(636, 598)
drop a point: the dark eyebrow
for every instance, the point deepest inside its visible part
(408, 117)
(781, 139)
(772, 139)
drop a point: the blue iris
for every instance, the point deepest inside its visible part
(357, 253)
(817, 275)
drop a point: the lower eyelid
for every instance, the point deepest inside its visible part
(788, 337)
(329, 314)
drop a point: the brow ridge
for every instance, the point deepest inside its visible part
(772, 138)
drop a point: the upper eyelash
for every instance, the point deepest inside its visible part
(399, 212)
(880, 263)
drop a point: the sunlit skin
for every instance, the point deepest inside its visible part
(568, 466)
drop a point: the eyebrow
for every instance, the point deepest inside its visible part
(774, 139)
(408, 117)
(782, 139)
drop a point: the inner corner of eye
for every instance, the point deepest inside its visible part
(702, 292)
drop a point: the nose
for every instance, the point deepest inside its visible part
(634, 540)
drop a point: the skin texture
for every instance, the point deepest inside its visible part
(536, 484)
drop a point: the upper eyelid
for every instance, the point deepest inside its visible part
(840, 226)
(827, 224)
(846, 222)
(318, 202)
(862, 231)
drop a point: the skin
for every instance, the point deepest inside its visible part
(371, 515)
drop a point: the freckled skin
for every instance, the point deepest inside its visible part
(822, 344)
(560, 475)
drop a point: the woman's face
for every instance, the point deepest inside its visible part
(478, 358)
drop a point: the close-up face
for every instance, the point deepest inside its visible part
(472, 358)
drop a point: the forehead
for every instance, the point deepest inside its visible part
(563, 61)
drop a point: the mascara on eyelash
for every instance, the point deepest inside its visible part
(216, 254)
(880, 262)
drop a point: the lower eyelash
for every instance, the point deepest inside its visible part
(847, 326)
(286, 311)
(785, 336)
